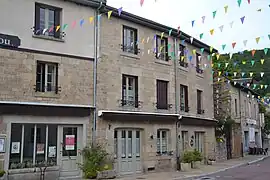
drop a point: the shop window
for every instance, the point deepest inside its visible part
(32, 145)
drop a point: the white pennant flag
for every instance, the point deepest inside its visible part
(221, 28)
(44, 31)
(231, 24)
(148, 51)
(245, 42)
(199, 58)
(147, 40)
(231, 55)
(262, 73)
(179, 52)
(191, 40)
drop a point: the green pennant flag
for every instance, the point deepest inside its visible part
(252, 62)
(65, 26)
(254, 86)
(239, 2)
(214, 14)
(202, 49)
(219, 65)
(208, 57)
(201, 35)
(265, 86)
(169, 46)
(265, 50)
(223, 46)
(269, 36)
(172, 54)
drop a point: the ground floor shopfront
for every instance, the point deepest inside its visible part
(141, 142)
(36, 137)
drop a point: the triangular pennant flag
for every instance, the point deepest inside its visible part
(44, 30)
(262, 73)
(141, 2)
(231, 24)
(203, 19)
(233, 44)
(242, 19)
(252, 62)
(243, 62)
(221, 28)
(109, 14)
(234, 64)
(57, 28)
(248, 1)
(73, 24)
(219, 65)
(253, 52)
(81, 22)
(251, 74)
(231, 54)
(99, 16)
(245, 42)
(211, 49)
(194, 51)
(192, 23)
(234, 83)
(226, 9)
(182, 58)
(219, 73)
(239, 2)
(51, 29)
(217, 56)
(190, 58)
(234, 73)
(257, 39)
(212, 31)
(262, 61)
(208, 57)
(91, 19)
(261, 86)
(226, 65)
(248, 84)
(259, 10)
(254, 86)
(226, 73)
(65, 26)
(269, 36)
(243, 73)
(191, 40)
(214, 14)
(265, 86)
(170, 32)
(202, 50)
(223, 46)
(120, 11)
(265, 50)
(162, 34)
(201, 35)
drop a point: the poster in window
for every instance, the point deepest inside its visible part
(70, 142)
(2, 145)
(52, 151)
(40, 148)
(15, 147)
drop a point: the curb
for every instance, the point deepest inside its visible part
(224, 169)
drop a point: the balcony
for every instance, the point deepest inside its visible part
(129, 105)
(199, 70)
(183, 64)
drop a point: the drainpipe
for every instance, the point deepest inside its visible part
(96, 34)
(241, 124)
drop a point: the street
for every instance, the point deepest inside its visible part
(257, 171)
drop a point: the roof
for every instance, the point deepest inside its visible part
(144, 22)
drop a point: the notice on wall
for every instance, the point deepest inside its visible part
(40, 148)
(251, 134)
(15, 147)
(52, 151)
(2, 145)
(70, 142)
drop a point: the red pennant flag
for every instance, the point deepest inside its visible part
(141, 2)
(248, 1)
(233, 44)
(178, 29)
(253, 52)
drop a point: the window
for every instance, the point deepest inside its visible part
(184, 98)
(162, 94)
(255, 111)
(47, 17)
(130, 40)
(129, 90)
(199, 141)
(235, 107)
(182, 61)
(198, 64)
(32, 144)
(162, 141)
(162, 48)
(249, 109)
(199, 102)
(245, 108)
(47, 77)
(184, 140)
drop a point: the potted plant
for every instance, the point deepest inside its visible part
(211, 161)
(186, 161)
(197, 158)
(2, 173)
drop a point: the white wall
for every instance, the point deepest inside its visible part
(17, 17)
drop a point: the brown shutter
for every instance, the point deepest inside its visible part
(135, 41)
(123, 87)
(56, 22)
(136, 93)
(162, 94)
(37, 30)
(166, 49)
(157, 38)
(186, 99)
(56, 78)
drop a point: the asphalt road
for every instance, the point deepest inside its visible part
(257, 171)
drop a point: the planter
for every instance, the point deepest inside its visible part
(107, 174)
(209, 162)
(196, 164)
(185, 167)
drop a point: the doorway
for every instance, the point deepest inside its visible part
(70, 144)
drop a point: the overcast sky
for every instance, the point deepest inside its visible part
(181, 13)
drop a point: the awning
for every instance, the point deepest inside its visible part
(198, 121)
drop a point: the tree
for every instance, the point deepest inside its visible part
(266, 128)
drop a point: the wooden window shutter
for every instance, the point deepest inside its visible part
(136, 93)
(57, 22)
(157, 38)
(56, 78)
(37, 30)
(165, 94)
(135, 41)
(166, 49)
(158, 93)
(186, 98)
(162, 93)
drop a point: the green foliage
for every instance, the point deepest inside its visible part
(223, 127)
(2, 173)
(197, 155)
(188, 157)
(95, 159)
(266, 128)
(261, 109)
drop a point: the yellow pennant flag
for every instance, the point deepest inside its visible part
(251, 74)
(109, 14)
(226, 9)
(91, 19)
(218, 56)
(226, 64)
(212, 31)
(257, 39)
(194, 51)
(244, 62)
(262, 61)
(211, 49)
(57, 28)
(219, 73)
(261, 86)
(143, 40)
(212, 65)
(161, 48)
(182, 58)
(162, 34)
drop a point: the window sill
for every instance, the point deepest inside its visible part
(199, 75)
(183, 68)
(129, 55)
(163, 62)
(31, 170)
(46, 95)
(47, 38)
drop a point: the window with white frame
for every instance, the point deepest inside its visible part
(184, 135)
(130, 40)
(199, 141)
(162, 48)
(129, 90)
(249, 109)
(162, 141)
(32, 145)
(46, 77)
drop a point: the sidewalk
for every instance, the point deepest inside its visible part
(203, 171)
